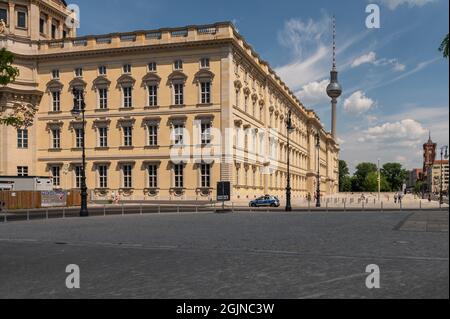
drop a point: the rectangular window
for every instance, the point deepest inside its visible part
(152, 67)
(78, 138)
(127, 176)
(206, 133)
(127, 136)
(206, 92)
(79, 72)
(56, 176)
(204, 63)
(103, 137)
(102, 70)
(178, 175)
(79, 98)
(55, 74)
(54, 31)
(103, 98)
(4, 15)
(102, 176)
(205, 175)
(42, 25)
(178, 131)
(56, 138)
(56, 101)
(127, 97)
(153, 176)
(152, 95)
(21, 19)
(178, 94)
(22, 171)
(153, 135)
(178, 65)
(127, 68)
(22, 138)
(78, 173)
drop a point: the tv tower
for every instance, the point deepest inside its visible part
(334, 89)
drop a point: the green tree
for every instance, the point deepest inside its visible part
(371, 183)
(343, 176)
(360, 177)
(8, 74)
(395, 175)
(346, 184)
(444, 47)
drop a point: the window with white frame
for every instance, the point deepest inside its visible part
(56, 176)
(205, 175)
(153, 95)
(103, 136)
(56, 101)
(205, 92)
(127, 68)
(56, 138)
(103, 98)
(152, 175)
(153, 134)
(22, 138)
(79, 72)
(178, 91)
(204, 63)
(127, 96)
(78, 170)
(127, 171)
(78, 138)
(127, 135)
(22, 171)
(178, 65)
(102, 70)
(152, 67)
(78, 97)
(102, 176)
(55, 74)
(178, 170)
(205, 133)
(178, 134)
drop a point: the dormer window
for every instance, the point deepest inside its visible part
(178, 65)
(204, 63)
(55, 74)
(102, 70)
(127, 69)
(79, 72)
(152, 67)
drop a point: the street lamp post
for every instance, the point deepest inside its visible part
(441, 190)
(318, 169)
(288, 187)
(80, 107)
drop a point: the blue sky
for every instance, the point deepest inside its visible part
(395, 80)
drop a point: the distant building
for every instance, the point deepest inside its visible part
(415, 176)
(429, 156)
(434, 177)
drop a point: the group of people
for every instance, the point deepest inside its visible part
(398, 198)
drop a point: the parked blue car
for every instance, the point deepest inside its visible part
(269, 201)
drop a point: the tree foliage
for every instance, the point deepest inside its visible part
(8, 74)
(444, 47)
(395, 175)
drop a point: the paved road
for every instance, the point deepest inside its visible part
(247, 255)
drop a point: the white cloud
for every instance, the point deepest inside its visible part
(405, 133)
(358, 103)
(394, 4)
(363, 59)
(371, 58)
(314, 93)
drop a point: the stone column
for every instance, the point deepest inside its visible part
(12, 17)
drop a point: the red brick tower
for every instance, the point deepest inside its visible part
(429, 156)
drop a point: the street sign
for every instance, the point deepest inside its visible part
(223, 191)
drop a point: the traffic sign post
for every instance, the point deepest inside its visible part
(223, 193)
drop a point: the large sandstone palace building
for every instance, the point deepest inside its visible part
(156, 102)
